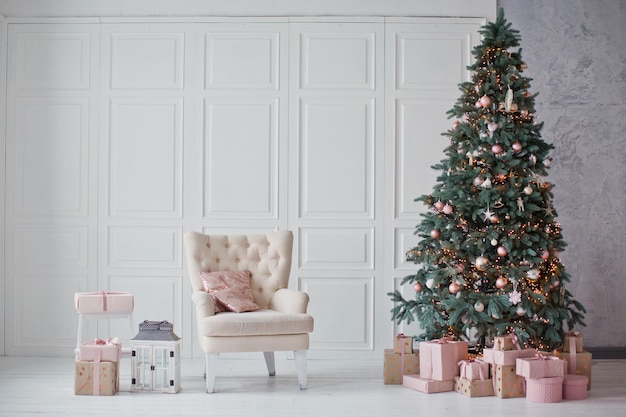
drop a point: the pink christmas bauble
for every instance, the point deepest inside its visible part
(447, 209)
(418, 287)
(501, 282)
(478, 181)
(435, 234)
(545, 254)
(478, 104)
(502, 251)
(439, 205)
(485, 101)
(492, 126)
(456, 124)
(497, 149)
(517, 146)
(454, 288)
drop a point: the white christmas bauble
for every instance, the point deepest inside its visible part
(528, 190)
(481, 262)
(479, 306)
(520, 311)
(494, 242)
(478, 181)
(533, 274)
(429, 283)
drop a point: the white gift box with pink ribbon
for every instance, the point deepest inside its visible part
(541, 366)
(474, 369)
(104, 302)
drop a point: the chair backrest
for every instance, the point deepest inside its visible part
(267, 257)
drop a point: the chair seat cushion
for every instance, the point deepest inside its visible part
(255, 323)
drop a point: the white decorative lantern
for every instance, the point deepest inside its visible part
(155, 358)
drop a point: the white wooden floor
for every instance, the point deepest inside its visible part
(44, 386)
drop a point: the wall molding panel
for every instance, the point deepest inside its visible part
(123, 133)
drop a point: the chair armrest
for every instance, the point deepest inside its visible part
(286, 300)
(205, 305)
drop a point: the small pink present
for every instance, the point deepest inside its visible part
(541, 366)
(439, 358)
(506, 357)
(104, 302)
(474, 369)
(105, 350)
(575, 387)
(427, 386)
(544, 390)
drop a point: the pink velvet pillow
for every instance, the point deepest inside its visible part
(230, 290)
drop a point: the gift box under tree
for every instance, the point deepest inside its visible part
(398, 364)
(428, 386)
(540, 366)
(439, 359)
(577, 358)
(507, 384)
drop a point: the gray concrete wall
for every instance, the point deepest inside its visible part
(576, 55)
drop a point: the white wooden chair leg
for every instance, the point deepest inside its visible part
(270, 362)
(300, 357)
(210, 371)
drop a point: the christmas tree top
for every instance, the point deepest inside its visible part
(488, 255)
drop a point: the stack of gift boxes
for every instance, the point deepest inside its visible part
(400, 360)
(96, 370)
(506, 370)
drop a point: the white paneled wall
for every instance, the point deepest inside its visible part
(121, 135)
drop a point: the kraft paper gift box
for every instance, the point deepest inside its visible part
(578, 364)
(397, 364)
(100, 349)
(427, 386)
(473, 388)
(505, 343)
(474, 369)
(544, 390)
(104, 302)
(506, 357)
(541, 366)
(506, 383)
(573, 342)
(439, 359)
(403, 343)
(96, 378)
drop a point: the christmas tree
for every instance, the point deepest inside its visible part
(489, 242)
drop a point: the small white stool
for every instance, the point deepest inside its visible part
(104, 316)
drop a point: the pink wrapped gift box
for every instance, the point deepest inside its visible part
(575, 387)
(439, 359)
(403, 343)
(474, 369)
(427, 386)
(100, 350)
(104, 302)
(544, 390)
(506, 357)
(476, 388)
(541, 366)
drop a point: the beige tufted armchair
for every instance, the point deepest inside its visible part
(281, 324)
